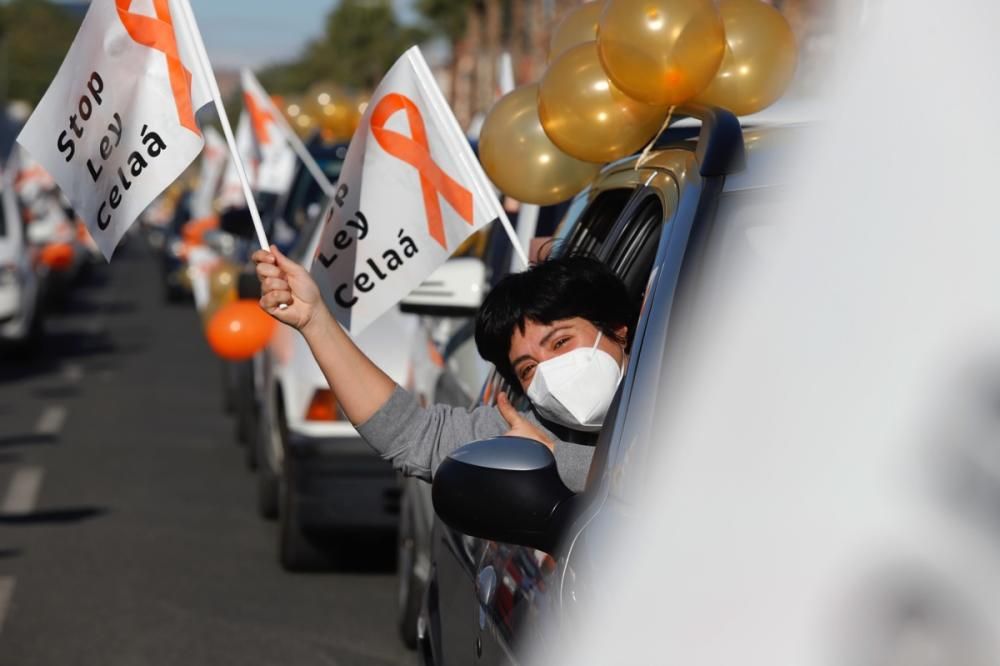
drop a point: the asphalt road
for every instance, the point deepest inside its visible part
(128, 535)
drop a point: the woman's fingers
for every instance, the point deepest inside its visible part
(267, 270)
(507, 411)
(262, 257)
(275, 284)
(283, 262)
(272, 300)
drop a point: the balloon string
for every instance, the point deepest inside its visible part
(649, 146)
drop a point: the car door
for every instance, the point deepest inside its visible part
(512, 587)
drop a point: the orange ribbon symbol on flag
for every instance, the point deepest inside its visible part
(158, 34)
(416, 152)
(259, 118)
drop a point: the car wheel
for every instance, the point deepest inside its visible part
(297, 550)
(173, 294)
(409, 587)
(31, 346)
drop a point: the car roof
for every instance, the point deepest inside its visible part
(770, 157)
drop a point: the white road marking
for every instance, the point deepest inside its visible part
(22, 493)
(6, 594)
(73, 373)
(51, 421)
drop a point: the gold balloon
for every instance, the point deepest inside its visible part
(576, 26)
(291, 108)
(521, 160)
(661, 52)
(760, 58)
(221, 289)
(330, 109)
(586, 115)
(223, 280)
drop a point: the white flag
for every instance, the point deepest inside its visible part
(231, 193)
(213, 160)
(276, 159)
(117, 125)
(410, 192)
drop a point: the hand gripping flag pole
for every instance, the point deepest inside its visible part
(206, 66)
(293, 139)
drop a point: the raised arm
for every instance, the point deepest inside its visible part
(360, 386)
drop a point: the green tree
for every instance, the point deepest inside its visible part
(34, 38)
(362, 40)
(447, 18)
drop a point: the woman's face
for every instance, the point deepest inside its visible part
(540, 342)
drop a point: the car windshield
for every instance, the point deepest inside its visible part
(306, 191)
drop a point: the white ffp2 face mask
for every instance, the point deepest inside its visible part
(575, 389)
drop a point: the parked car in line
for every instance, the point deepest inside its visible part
(292, 214)
(513, 545)
(446, 368)
(21, 326)
(316, 474)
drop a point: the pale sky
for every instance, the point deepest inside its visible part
(261, 32)
(258, 32)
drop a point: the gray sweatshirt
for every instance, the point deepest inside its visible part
(416, 439)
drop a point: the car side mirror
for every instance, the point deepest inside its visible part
(504, 489)
(455, 289)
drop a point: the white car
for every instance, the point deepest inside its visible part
(315, 473)
(20, 311)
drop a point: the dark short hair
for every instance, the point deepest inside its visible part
(555, 289)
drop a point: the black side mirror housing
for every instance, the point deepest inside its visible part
(504, 489)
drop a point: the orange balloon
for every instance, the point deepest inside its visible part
(239, 330)
(57, 256)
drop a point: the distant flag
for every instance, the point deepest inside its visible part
(231, 192)
(278, 130)
(276, 159)
(117, 125)
(410, 192)
(505, 74)
(213, 161)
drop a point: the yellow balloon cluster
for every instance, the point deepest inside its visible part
(520, 158)
(579, 25)
(587, 115)
(299, 117)
(661, 51)
(616, 67)
(760, 58)
(336, 113)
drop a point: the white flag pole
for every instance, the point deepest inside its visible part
(527, 217)
(209, 74)
(300, 149)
